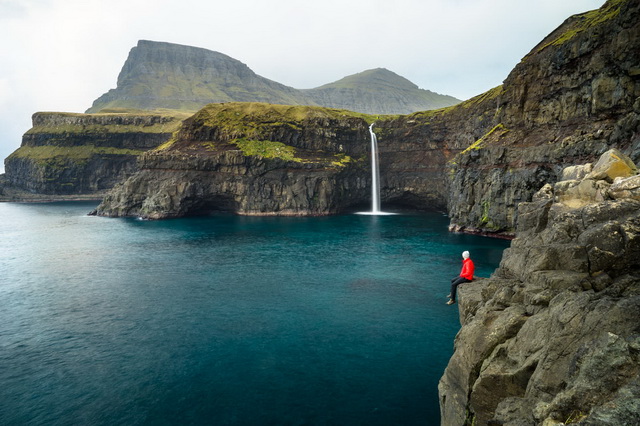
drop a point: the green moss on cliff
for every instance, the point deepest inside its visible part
(58, 155)
(585, 21)
(267, 149)
(342, 160)
(497, 131)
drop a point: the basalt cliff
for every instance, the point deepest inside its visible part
(573, 97)
(553, 336)
(66, 154)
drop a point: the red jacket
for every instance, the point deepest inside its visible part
(467, 269)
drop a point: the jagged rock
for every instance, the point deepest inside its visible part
(572, 277)
(612, 164)
(625, 188)
(576, 172)
(575, 193)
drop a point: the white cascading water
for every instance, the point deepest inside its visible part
(375, 179)
(375, 173)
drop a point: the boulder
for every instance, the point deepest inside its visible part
(576, 172)
(625, 188)
(612, 164)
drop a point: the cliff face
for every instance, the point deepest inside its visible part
(568, 101)
(77, 153)
(253, 159)
(166, 75)
(572, 98)
(553, 336)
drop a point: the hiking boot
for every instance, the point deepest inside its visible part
(451, 302)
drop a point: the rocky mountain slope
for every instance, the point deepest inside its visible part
(172, 76)
(378, 91)
(553, 336)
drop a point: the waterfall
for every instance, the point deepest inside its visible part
(375, 173)
(375, 179)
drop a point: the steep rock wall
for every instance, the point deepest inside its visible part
(570, 99)
(66, 153)
(553, 336)
(253, 159)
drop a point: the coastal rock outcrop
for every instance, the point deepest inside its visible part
(251, 159)
(553, 336)
(67, 153)
(573, 97)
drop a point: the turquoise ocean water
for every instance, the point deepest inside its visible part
(226, 320)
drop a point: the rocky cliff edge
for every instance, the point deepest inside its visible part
(553, 336)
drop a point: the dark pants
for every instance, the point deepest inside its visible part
(455, 282)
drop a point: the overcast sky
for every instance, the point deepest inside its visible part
(60, 55)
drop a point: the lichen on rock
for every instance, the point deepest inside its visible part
(553, 335)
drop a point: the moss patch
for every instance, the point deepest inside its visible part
(267, 149)
(587, 20)
(342, 160)
(49, 155)
(499, 131)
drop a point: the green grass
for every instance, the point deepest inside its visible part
(267, 149)
(480, 142)
(587, 20)
(58, 154)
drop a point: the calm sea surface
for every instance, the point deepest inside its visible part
(226, 320)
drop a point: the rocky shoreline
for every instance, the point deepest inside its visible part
(553, 336)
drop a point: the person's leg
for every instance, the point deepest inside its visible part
(454, 286)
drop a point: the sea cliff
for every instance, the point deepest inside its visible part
(573, 97)
(81, 154)
(252, 159)
(553, 336)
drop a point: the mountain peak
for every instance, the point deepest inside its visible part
(162, 75)
(381, 77)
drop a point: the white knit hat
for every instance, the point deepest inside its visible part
(465, 254)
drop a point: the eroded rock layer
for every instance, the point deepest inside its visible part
(553, 336)
(65, 153)
(574, 96)
(252, 159)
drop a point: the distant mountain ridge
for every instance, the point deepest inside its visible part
(160, 75)
(378, 91)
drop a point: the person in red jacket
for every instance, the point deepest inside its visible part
(466, 276)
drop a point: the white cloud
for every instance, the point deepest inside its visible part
(62, 54)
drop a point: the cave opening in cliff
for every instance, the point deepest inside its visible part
(212, 205)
